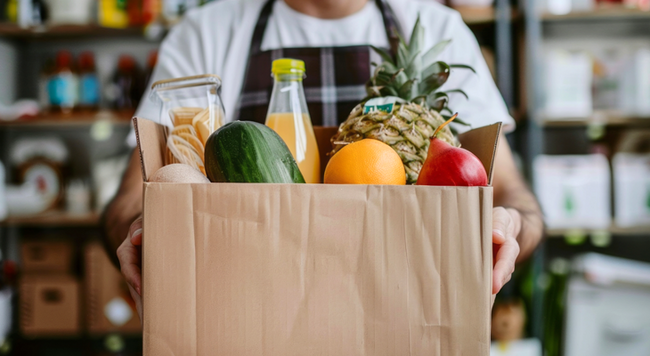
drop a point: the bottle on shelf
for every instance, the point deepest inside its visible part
(88, 82)
(113, 13)
(151, 11)
(134, 12)
(10, 11)
(126, 88)
(44, 78)
(288, 116)
(63, 87)
(39, 12)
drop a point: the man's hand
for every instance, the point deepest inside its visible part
(517, 230)
(506, 225)
(130, 255)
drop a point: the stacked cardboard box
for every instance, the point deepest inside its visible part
(53, 303)
(49, 294)
(109, 307)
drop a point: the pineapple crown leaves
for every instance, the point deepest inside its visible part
(413, 75)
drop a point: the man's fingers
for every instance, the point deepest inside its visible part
(135, 232)
(505, 264)
(137, 299)
(129, 257)
(501, 225)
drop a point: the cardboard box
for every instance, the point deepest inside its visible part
(49, 305)
(109, 307)
(46, 256)
(315, 269)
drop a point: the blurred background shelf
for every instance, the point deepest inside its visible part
(122, 118)
(53, 219)
(614, 230)
(599, 14)
(607, 119)
(480, 15)
(476, 15)
(10, 30)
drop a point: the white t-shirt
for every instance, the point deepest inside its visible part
(215, 39)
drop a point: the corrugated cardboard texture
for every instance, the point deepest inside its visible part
(103, 284)
(49, 305)
(243, 269)
(46, 256)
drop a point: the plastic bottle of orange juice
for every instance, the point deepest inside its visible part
(289, 117)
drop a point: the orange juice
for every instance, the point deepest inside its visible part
(297, 133)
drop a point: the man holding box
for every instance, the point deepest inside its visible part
(234, 37)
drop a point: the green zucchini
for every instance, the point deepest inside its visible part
(248, 152)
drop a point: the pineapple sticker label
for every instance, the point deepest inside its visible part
(384, 104)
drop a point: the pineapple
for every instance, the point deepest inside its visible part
(409, 83)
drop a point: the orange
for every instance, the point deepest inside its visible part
(365, 162)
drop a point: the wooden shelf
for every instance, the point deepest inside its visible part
(599, 118)
(71, 120)
(53, 219)
(614, 230)
(12, 30)
(476, 15)
(479, 15)
(603, 13)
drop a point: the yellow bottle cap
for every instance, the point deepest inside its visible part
(288, 66)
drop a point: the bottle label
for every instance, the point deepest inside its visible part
(385, 104)
(62, 90)
(89, 90)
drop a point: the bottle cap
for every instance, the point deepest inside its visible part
(288, 66)
(63, 59)
(86, 61)
(126, 63)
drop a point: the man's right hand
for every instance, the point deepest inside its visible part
(130, 255)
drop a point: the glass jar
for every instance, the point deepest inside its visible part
(192, 107)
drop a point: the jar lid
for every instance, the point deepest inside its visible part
(288, 66)
(186, 82)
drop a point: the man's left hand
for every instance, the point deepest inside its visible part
(506, 225)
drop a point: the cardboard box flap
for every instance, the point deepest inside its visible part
(483, 142)
(151, 138)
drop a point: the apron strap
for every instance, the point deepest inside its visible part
(393, 31)
(391, 26)
(260, 27)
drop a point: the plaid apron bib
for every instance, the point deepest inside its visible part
(335, 76)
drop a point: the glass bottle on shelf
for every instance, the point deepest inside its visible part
(88, 82)
(126, 88)
(288, 116)
(62, 87)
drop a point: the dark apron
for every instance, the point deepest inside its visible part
(335, 79)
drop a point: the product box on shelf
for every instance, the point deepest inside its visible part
(49, 305)
(297, 269)
(573, 190)
(108, 304)
(46, 256)
(631, 189)
(568, 84)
